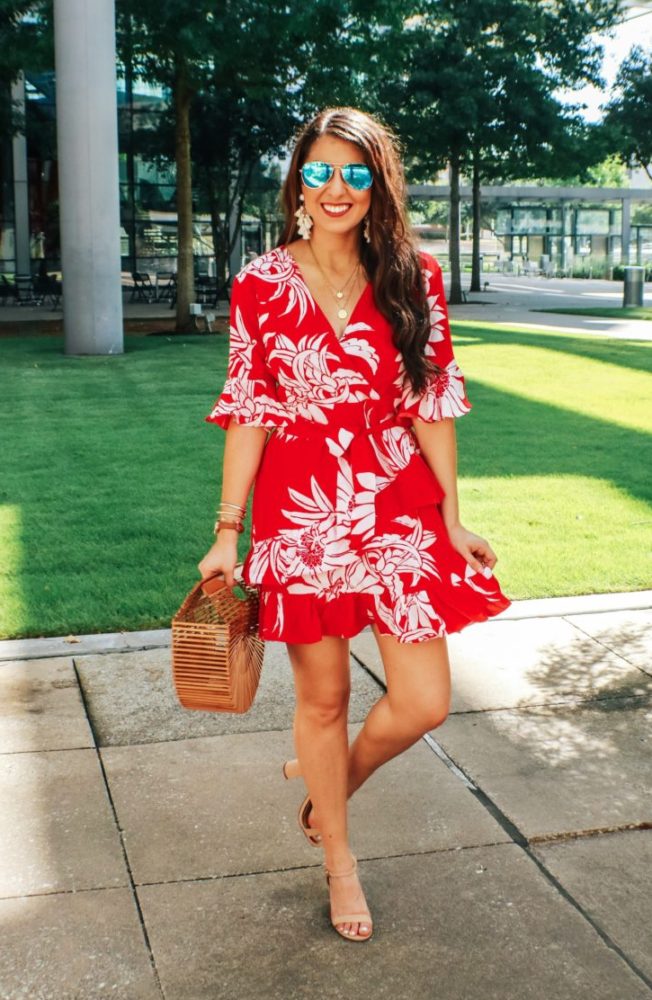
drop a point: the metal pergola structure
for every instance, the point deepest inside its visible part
(563, 198)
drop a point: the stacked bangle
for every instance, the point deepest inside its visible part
(231, 516)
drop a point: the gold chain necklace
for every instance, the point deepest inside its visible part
(342, 312)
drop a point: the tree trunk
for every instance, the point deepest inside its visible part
(238, 189)
(185, 264)
(219, 239)
(455, 294)
(476, 277)
(217, 230)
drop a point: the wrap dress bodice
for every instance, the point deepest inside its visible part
(346, 523)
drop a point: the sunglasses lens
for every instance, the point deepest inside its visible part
(357, 176)
(316, 174)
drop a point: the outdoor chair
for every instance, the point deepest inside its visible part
(7, 290)
(206, 289)
(25, 293)
(47, 288)
(166, 286)
(143, 290)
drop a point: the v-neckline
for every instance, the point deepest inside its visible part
(299, 272)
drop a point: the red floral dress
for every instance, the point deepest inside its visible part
(346, 527)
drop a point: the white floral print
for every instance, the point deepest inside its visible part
(246, 398)
(345, 512)
(411, 617)
(311, 377)
(444, 396)
(278, 269)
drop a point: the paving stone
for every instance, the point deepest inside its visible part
(56, 825)
(131, 698)
(44, 646)
(611, 877)
(577, 604)
(41, 706)
(219, 805)
(475, 924)
(74, 946)
(627, 633)
(99, 642)
(559, 769)
(517, 663)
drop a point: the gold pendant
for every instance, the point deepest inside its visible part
(342, 313)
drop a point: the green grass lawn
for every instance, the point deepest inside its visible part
(110, 476)
(628, 312)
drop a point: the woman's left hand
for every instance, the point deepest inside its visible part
(476, 550)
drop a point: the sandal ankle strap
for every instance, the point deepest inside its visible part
(343, 874)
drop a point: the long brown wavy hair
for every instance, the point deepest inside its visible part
(391, 258)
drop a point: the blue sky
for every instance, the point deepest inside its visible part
(635, 30)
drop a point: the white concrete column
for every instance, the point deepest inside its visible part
(89, 194)
(21, 192)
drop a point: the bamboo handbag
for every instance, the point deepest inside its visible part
(217, 654)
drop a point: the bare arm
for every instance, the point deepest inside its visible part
(438, 443)
(243, 451)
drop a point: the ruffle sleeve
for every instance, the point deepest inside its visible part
(445, 394)
(249, 395)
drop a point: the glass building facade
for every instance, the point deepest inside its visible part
(148, 238)
(576, 238)
(580, 238)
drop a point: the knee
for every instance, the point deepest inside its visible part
(325, 708)
(421, 718)
(434, 716)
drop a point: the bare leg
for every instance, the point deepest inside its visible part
(322, 685)
(417, 700)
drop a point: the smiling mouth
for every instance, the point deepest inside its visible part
(335, 211)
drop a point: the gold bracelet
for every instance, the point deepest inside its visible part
(233, 506)
(230, 515)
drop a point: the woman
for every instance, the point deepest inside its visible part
(339, 402)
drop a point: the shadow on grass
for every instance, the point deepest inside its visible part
(634, 354)
(517, 436)
(116, 472)
(27, 350)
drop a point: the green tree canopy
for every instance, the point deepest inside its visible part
(628, 115)
(25, 41)
(479, 85)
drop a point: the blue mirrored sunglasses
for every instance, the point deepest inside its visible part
(357, 175)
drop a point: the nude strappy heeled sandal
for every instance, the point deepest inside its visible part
(360, 917)
(311, 833)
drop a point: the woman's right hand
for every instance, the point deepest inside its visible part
(221, 557)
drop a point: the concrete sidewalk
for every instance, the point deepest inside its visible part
(150, 851)
(507, 299)
(516, 301)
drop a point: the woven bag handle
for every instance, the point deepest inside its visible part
(213, 582)
(210, 585)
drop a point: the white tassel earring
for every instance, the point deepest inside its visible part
(365, 229)
(304, 221)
